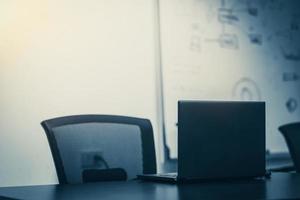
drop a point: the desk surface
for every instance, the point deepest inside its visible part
(280, 186)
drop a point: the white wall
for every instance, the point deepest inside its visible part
(64, 57)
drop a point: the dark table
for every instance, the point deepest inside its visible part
(280, 186)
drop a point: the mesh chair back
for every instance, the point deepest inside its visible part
(101, 142)
(291, 133)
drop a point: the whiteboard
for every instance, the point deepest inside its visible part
(232, 50)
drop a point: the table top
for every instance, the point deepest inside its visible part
(279, 186)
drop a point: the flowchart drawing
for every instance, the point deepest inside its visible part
(291, 105)
(246, 89)
(255, 38)
(226, 16)
(195, 43)
(229, 41)
(290, 76)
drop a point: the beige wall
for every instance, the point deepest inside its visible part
(69, 57)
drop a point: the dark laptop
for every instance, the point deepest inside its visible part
(218, 140)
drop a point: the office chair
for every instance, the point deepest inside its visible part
(291, 133)
(87, 148)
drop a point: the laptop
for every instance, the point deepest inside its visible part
(218, 140)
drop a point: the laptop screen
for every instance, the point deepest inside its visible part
(221, 139)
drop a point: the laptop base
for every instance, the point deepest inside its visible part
(163, 177)
(173, 178)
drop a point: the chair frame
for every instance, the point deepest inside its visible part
(147, 138)
(284, 130)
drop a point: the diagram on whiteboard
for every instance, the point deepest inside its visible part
(246, 89)
(232, 50)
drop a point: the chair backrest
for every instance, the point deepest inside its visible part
(291, 133)
(109, 143)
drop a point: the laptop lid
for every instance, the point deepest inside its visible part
(221, 139)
